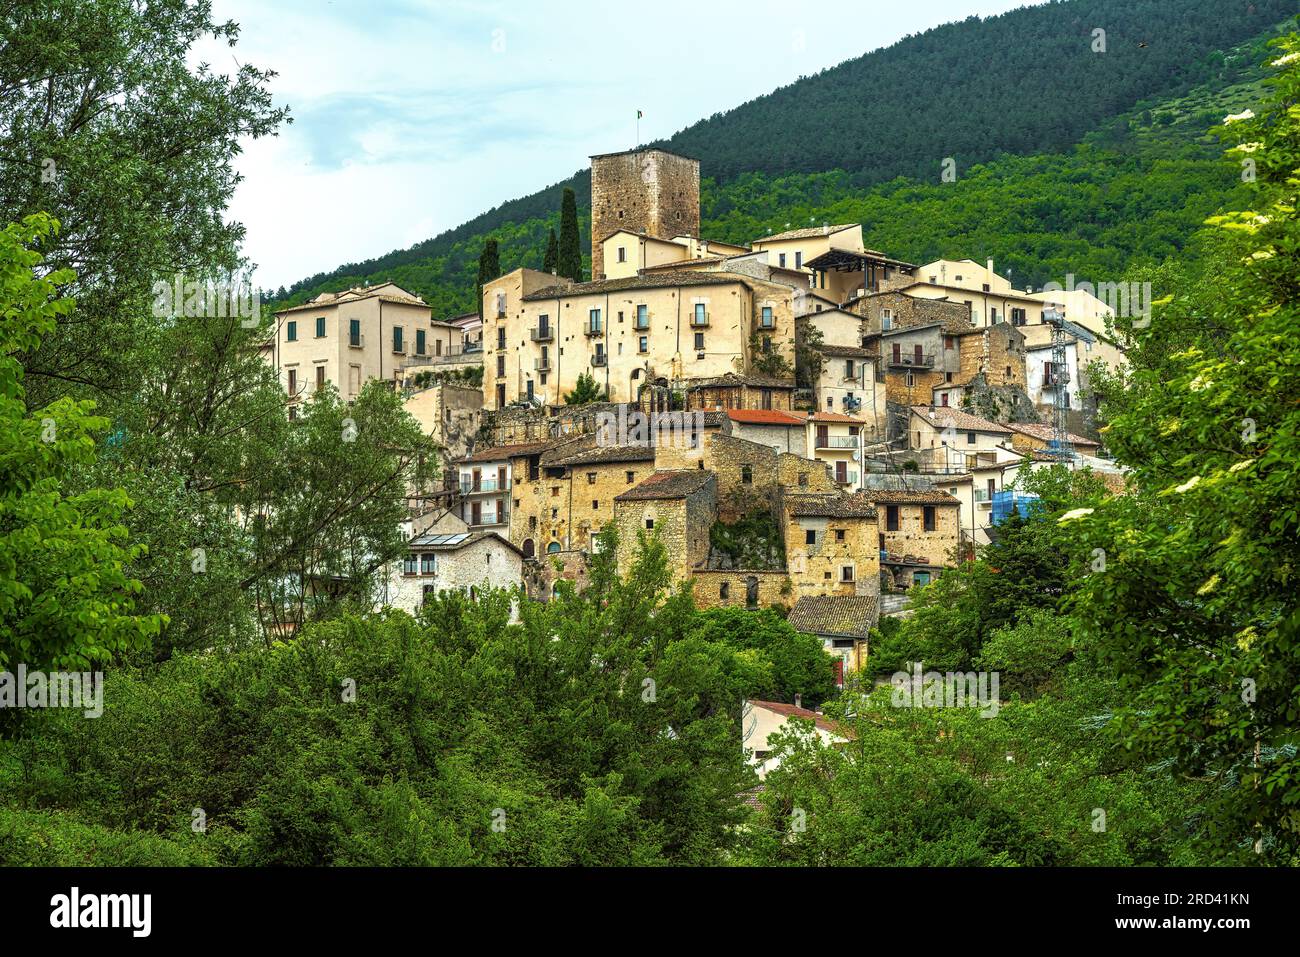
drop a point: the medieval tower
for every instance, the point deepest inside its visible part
(647, 191)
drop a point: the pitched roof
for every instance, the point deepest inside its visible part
(454, 543)
(942, 416)
(848, 616)
(605, 454)
(503, 452)
(911, 496)
(811, 233)
(845, 352)
(1037, 430)
(835, 417)
(857, 505)
(790, 711)
(764, 417)
(677, 483)
(735, 378)
(665, 280)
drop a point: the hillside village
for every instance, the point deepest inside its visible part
(825, 427)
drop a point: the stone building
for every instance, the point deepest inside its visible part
(677, 507)
(648, 191)
(892, 310)
(670, 330)
(842, 622)
(997, 352)
(451, 414)
(831, 545)
(469, 562)
(779, 430)
(919, 533)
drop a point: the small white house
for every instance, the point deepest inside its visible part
(761, 720)
(465, 561)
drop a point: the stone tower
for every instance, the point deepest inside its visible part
(647, 191)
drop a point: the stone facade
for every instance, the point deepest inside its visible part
(996, 352)
(842, 557)
(906, 312)
(451, 414)
(740, 588)
(648, 191)
(908, 545)
(482, 561)
(678, 508)
(798, 475)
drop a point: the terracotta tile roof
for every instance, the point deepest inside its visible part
(845, 352)
(735, 378)
(790, 711)
(604, 454)
(1042, 432)
(941, 416)
(811, 233)
(911, 496)
(503, 452)
(764, 417)
(857, 505)
(846, 616)
(677, 483)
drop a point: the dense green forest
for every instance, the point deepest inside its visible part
(831, 148)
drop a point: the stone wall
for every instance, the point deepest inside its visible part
(646, 191)
(997, 352)
(816, 569)
(933, 548)
(909, 311)
(569, 507)
(681, 524)
(799, 475)
(772, 588)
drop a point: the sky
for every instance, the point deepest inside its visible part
(412, 116)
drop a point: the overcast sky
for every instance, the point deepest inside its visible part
(412, 116)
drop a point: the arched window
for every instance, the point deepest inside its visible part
(552, 548)
(528, 548)
(724, 590)
(751, 591)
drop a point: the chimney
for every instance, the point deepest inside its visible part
(990, 267)
(798, 701)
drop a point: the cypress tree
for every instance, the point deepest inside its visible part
(551, 262)
(489, 268)
(570, 252)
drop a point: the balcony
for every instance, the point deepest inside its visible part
(488, 518)
(846, 478)
(590, 330)
(699, 321)
(467, 486)
(541, 334)
(837, 442)
(923, 361)
(599, 360)
(357, 342)
(543, 364)
(1055, 377)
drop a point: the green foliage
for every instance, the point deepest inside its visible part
(551, 261)
(1196, 609)
(489, 268)
(66, 602)
(752, 542)
(585, 390)
(797, 663)
(569, 253)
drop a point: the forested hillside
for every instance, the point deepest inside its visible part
(900, 111)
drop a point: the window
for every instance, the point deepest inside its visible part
(426, 563)
(593, 320)
(591, 478)
(643, 344)
(354, 333)
(767, 320)
(291, 331)
(642, 317)
(927, 518)
(846, 574)
(724, 590)
(293, 381)
(320, 327)
(595, 504)
(649, 524)
(780, 260)
(501, 366)
(839, 534)
(320, 378)
(848, 369)
(397, 339)
(798, 260)
(886, 319)
(555, 491)
(409, 564)
(767, 345)
(891, 518)
(701, 313)
(699, 342)
(747, 475)
(947, 342)
(529, 390)
(419, 342)
(810, 537)
(970, 438)
(553, 548)
(631, 477)
(293, 413)
(622, 254)
(803, 479)
(501, 338)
